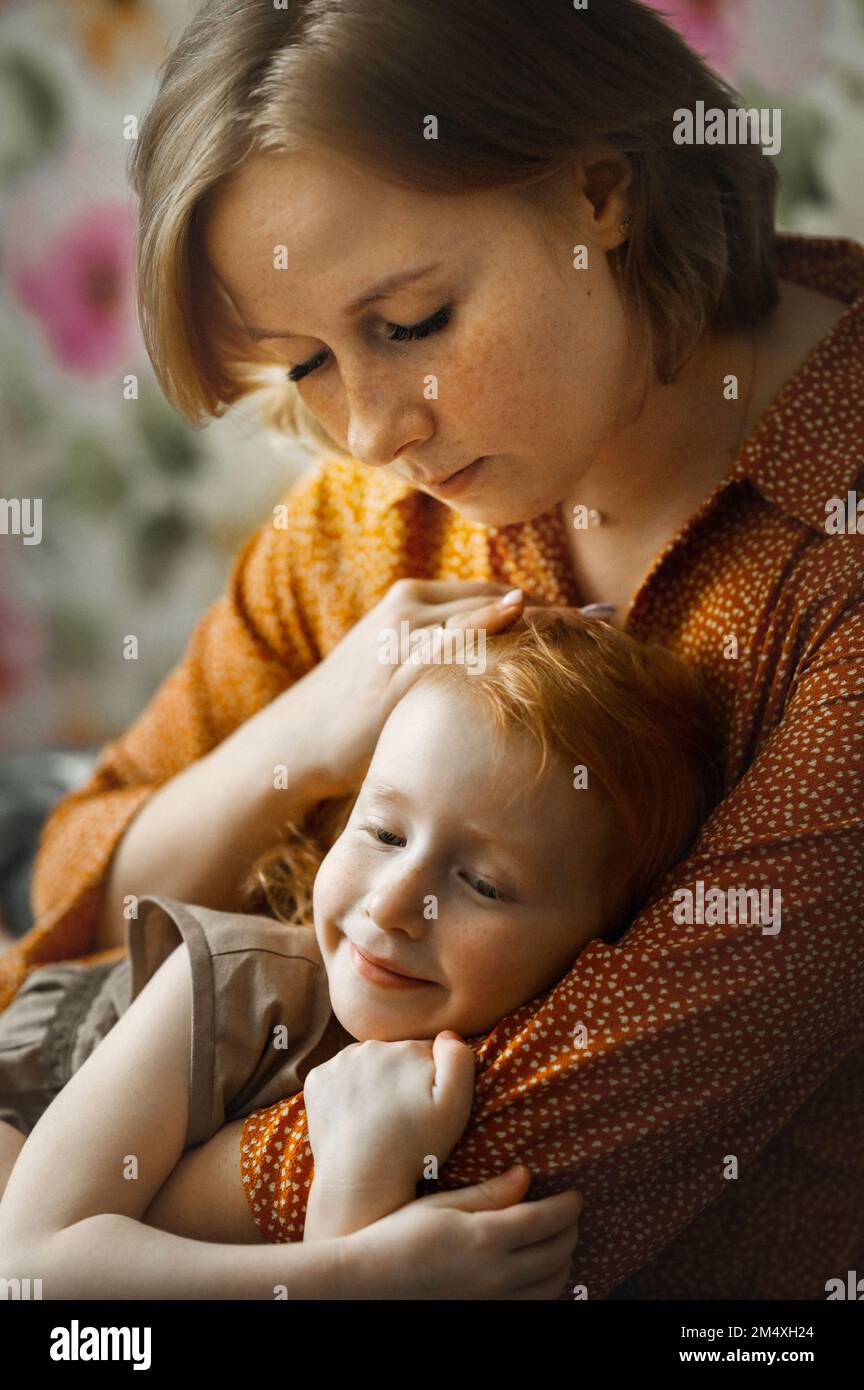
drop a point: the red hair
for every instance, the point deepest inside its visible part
(630, 713)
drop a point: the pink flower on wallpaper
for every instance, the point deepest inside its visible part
(708, 26)
(80, 287)
(780, 45)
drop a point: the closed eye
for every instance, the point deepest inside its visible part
(493, 895)
(380, 831)
(398, 333)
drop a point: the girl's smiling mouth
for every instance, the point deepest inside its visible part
(379, 975)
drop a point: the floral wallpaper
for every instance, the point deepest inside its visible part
(142, 514)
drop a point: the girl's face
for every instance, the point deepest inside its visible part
(514, 353)
(455, 869)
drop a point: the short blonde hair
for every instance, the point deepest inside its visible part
(524, 89)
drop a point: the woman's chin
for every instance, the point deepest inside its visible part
(505, 511)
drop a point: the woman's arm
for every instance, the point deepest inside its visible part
(203, 1198)
(252, 644)
(230, 798)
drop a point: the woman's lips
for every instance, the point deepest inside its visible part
(460, 481)
(376, 974)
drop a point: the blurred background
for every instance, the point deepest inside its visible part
(142, 514)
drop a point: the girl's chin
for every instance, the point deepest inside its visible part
(366, 1023)
(378, 1030)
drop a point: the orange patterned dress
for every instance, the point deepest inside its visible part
(714, 1119)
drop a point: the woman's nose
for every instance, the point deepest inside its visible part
(384, 421)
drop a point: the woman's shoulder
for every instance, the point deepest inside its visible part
(805, 320)
(331, 526)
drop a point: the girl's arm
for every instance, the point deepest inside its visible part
(72, 1213)
(203, 1198)
(73, 1207)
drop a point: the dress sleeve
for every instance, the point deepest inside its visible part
(657, 1057)
(252, 643)
(261, 1016)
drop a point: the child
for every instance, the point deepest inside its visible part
(458, 884)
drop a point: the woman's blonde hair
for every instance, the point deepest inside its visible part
(630, 713)
(522, 90)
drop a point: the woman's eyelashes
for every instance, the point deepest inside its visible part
(493, 894)
(398, 333)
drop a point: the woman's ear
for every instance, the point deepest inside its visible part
(605, 181)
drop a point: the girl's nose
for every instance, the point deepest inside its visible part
(402, 905)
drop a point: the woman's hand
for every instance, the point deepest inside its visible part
(381, 1115)
(541, 615)
(479, 1242)
(346, 699)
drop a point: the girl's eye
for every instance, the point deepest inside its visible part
(381, 831)
(398, 334)
(493, 894)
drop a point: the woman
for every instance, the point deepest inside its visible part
(609, 322)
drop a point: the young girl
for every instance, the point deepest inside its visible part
(458, 884)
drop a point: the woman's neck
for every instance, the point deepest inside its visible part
(657, 468)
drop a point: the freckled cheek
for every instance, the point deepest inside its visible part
(477, 963)
(337, 887)
(329, 407)
(491, 385)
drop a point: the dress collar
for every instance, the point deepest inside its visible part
(808, 446)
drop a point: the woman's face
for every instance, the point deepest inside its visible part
(528, 364)
(456, 868)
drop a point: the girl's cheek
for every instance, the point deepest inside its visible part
(341, 878)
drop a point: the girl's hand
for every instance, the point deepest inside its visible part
(377, 1112)
(479, 1242)
(346, 699)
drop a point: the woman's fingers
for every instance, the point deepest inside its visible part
(547, 1289)
(529, 1223)
(542, 1268)
(502, 1190)
(495, 614)
(455, 592)
(535, 1262)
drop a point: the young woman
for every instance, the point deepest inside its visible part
(462, 249)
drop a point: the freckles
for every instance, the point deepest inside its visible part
(472, 375)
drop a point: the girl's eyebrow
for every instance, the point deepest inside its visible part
(385, 287)
(382, 791)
